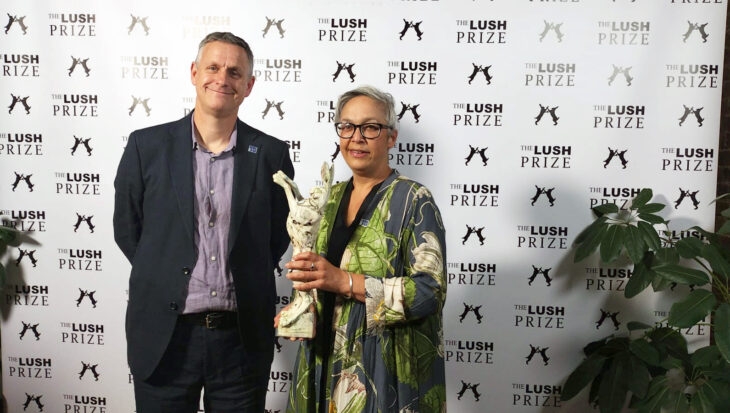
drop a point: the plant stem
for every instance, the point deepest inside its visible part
(722, 288)
(716, 281)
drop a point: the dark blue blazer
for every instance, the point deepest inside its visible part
(154, 224)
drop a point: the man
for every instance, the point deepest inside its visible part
(203, 224)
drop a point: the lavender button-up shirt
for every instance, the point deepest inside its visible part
(211, 283)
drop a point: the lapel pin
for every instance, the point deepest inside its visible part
(253, 149)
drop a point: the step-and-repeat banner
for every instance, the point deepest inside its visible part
(519, 115)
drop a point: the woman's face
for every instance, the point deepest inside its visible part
(366, 157)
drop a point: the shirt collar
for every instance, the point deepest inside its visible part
(231, 143)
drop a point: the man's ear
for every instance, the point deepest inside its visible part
(249, 85)
(193, 72)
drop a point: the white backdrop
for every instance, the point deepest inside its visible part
(614, 77)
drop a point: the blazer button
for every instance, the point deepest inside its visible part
(173, 306)
(186, 271)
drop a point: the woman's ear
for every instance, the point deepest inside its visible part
(392, 137)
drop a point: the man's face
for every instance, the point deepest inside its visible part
(221, 78)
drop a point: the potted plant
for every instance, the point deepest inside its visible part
(652, 364)
(8, 236)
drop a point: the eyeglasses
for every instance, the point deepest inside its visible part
(346, 130)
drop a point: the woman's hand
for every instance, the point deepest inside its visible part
(314, 271)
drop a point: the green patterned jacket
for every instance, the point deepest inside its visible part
(388, 353)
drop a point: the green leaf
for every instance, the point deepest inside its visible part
(678, 403)
(644, 351)
(634, 402)
(7, 235)
(612, 242)
(666, 256)
(406, 370)
(594, 346)
(433, 401)
(671, 363)
(595, 386)
(656, 396)
(705, 356)
(722, 330)
(427, 353)
(717, 393)
(725, 228)
(637, 325)
(707, 234)
(668, 340)
(591, 242)
(634, 244)
(651, 218)
(689, 247)
(681, 275)
(590, 229)
(582, 375)
(612, 393)
(614, 346)
(718, 263)
(639, 377)
(719, 371)
(649, 234)
(702, 401)
(601, 210)
(657, 384)
(639, 280)
(660, 283)
(651, 208)
(641, 199)
(692, 309)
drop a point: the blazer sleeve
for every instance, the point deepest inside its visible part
(280, 210)
(421, 290)
(129, 199)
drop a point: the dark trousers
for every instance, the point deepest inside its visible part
(202, 359)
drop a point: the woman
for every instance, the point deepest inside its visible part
(379, 269)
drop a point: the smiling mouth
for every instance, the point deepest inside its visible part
(220, 92)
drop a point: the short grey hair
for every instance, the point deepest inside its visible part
(384, 98)
(226, 37)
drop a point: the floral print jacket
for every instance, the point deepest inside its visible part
(388, 353)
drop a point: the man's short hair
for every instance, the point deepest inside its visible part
(384, 98)
(226, 37)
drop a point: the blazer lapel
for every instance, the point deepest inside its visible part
(180, 163)
(244, 172)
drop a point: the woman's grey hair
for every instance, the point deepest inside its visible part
(384, 98)
(226, 37)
